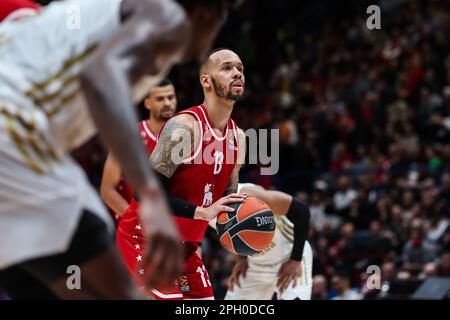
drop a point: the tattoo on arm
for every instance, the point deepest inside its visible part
(175, 144)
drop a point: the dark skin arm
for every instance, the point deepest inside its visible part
(111, 177)
(151, 39)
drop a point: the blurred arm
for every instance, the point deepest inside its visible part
(112, 175)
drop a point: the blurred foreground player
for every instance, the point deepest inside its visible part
(196, 158)
(59, 77)
(285, 267)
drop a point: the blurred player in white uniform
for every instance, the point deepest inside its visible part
(283, 268)
(78, 66)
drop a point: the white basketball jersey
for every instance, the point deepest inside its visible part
(281, 246)
(41, 57)
(42, 116)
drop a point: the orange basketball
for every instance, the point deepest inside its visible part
(249, 229)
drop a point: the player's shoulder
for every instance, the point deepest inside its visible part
(179, 122)
(187, 116)
(182, 118)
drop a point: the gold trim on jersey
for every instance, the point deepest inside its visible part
(53, 96)
(33, 143)
(32, 93)
(42, 99)
(66, 99)
(283, 231)
(286, 230)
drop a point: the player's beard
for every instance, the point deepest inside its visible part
(220, 92)
(164, 116)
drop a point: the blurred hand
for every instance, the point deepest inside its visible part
(239, 269)
(219, 206)
(289, 272)
(162, 261)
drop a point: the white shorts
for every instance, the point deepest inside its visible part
(260, 282)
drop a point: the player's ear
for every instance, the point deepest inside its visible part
(205, 81)
(147, 103)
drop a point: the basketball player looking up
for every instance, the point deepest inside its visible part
(204, 180)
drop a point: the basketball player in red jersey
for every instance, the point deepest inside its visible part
(201, 182)
(161, 102)
(12, 10)
(117, 193)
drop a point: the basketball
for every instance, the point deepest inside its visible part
(249, 229)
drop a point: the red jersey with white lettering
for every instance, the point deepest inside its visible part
(149, 139)
(203, 178)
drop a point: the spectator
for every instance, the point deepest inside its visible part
(443, 268)
(341, 285)
(344, 196)
(417, 252)
(319, 289)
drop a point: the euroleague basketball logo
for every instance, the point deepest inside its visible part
(183, 283)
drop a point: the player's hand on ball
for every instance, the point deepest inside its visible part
(219, 206)
(289, 272)
(239, 269)
(163, 258)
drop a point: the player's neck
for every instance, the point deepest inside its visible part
(219, 111)
(154, 125)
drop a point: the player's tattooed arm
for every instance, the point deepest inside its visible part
(176, 143)
(232, 186)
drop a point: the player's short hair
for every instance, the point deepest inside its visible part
(164, 83)
(218, 5)
(204, 64)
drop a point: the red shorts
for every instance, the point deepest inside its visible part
(193, 284)
(130, 241)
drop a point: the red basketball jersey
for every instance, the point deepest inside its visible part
(203, 178)
(149, 140)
